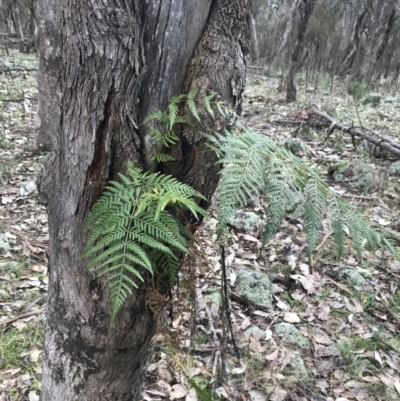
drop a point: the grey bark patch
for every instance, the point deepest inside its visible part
(255, 287)
(290, 335)
(244, 221)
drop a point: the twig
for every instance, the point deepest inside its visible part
(9, 69)
(328, 234)
(24, 315)
(360, 197)
(33, 303)
(211, 325)
(341, 286)
(18, 100)
(225, 301)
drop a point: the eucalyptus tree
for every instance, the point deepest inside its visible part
(104, 67)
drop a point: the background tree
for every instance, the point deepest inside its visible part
(18, 24)
(357, 40)
(304, 11)
(112, 64)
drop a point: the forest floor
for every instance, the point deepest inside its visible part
(332, 332)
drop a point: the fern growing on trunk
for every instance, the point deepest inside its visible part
(131, 228)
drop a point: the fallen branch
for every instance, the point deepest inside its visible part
(18, 100)
(11, 69)
(369, 135)
(24, 315)
(311, 123)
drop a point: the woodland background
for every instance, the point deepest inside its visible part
(332, 332)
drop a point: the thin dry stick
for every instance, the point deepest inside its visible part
(360, 197)
(33, 303)
(319, 247)
(211, 325)
(24, 315)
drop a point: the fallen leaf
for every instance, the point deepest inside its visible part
(191, 395)
(33, 354)
(323, 338)
(222, 392)
(268, 334)
(282, 305)
(273, 356)
(32, 396)
(239, 371)
(305, 282)
(246, 255)
(178, 391)
(164, 373)
(256, 395)
(19, 325)
(324, 314)
(232, 276)
(378, 358)
(291, 317)
(245, 324)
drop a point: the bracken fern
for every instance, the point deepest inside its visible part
(255, 164)
(132, 229)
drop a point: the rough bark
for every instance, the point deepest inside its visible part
(352, 47)
(120, 61)
(17, 25)
(255, 49)
(305, 10)
(289, 17)
(378, 35)
(49, 43)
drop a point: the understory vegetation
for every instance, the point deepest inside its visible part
(326, 328)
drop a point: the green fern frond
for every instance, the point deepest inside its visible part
(283, 194)
(338, 211)
(132, 230)
(314, 209)
(173, 111)
(157, 116)
(255, 164)
(156, 135)
(182, 120)
(168, 263)
(207, 104)
(162, 157)
(192, 104)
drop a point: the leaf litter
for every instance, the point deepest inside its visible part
(326, 336)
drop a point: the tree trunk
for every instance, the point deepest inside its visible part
(352, 47)
(255, 49)
(289, 17)
(378, 38)
(17, 25)
(49, 42)
(111, 65)
(305, 10)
